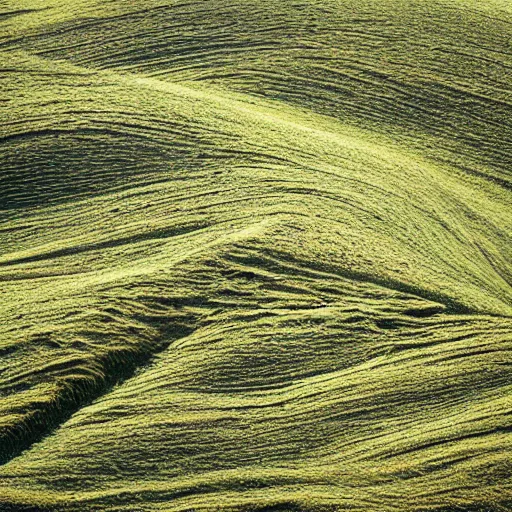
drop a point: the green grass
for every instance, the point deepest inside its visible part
(256, 256)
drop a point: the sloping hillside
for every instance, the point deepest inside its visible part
(256, 256)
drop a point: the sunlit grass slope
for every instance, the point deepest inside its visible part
(256, 256)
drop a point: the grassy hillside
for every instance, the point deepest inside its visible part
(256, 256)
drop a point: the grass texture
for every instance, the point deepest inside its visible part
(256, 255)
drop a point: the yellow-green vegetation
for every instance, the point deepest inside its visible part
(256, 255)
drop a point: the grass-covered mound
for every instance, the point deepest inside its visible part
(256, 255)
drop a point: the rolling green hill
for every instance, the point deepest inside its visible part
(256, 256)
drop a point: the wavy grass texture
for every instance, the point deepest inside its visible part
(256, 256)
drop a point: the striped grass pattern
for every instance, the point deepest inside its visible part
(256, 255)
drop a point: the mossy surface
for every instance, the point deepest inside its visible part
(256, 256)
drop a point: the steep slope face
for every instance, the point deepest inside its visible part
(256, 256)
